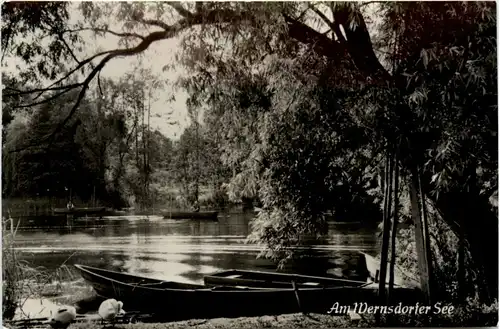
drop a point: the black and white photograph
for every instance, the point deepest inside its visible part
(241, 164)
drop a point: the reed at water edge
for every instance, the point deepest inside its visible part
(22, 282)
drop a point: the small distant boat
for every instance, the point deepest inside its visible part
(401, 278)
(209, 215)
(174, 300)
(274, 280)
(80, 211)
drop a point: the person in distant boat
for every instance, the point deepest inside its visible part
(70, 205)
(196, 206)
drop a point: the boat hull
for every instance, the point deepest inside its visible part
(174, 301)
(207, 215)
(80, 211)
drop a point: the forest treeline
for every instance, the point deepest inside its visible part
(308, 108)
(108, 152)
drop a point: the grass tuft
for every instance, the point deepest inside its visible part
(22, 282)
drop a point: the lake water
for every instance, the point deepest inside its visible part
(185, 250)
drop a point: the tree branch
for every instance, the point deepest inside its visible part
(25, 92)
(321, 15)
(180, 10)
(99, 83)
(102, 30)
(7, 37)
(301, 15)
(148, 40)
(68, 48)
(336, 26)
(322, 45)
(51, 86)
(153, 22)
(359, 43)
(198, 6)
(46, 100)
(82, 64)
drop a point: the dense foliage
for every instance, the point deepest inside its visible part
(431, 99)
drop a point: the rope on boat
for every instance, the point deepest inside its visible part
(296, 290)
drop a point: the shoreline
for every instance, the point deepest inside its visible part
(291, 321)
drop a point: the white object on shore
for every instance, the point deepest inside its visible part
(33, 308)
(110, 308)
(355, 317)
(63, 317)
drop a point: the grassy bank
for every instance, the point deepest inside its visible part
(291, 321)
(294, 321)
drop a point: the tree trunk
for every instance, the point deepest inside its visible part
(147, 150)
(137, 136)
(425, 233)
(480, 231)
(423, 262)
(386, 231)
(198, 169)
(144, 160)
(461, 263)
(394, 226)
(480, 228)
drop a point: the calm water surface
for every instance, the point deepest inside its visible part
(185, 250)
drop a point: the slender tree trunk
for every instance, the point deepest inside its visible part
(185, 178)
(144, 160)
(423, 262)
(461, 262)
(198, 169)
(425, 231)
(386, 232)
(147, 150)
(394, 226)
(137, 136)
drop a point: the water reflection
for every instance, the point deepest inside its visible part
(184, 250)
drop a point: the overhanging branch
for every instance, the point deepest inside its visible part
(71, 52)
(358, 44)
(180, 10)
(25, 92)
(169, 32)
(41, 91)
(46, 100)
(322, 44)
(153, 22)
(103, 30)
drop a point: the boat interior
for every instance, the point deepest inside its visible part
(263, 277)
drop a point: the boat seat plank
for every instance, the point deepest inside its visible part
(152, 283)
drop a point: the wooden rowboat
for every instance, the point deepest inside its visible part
(209, 215)
(274, 280)
(80, 211)
(174, 301)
